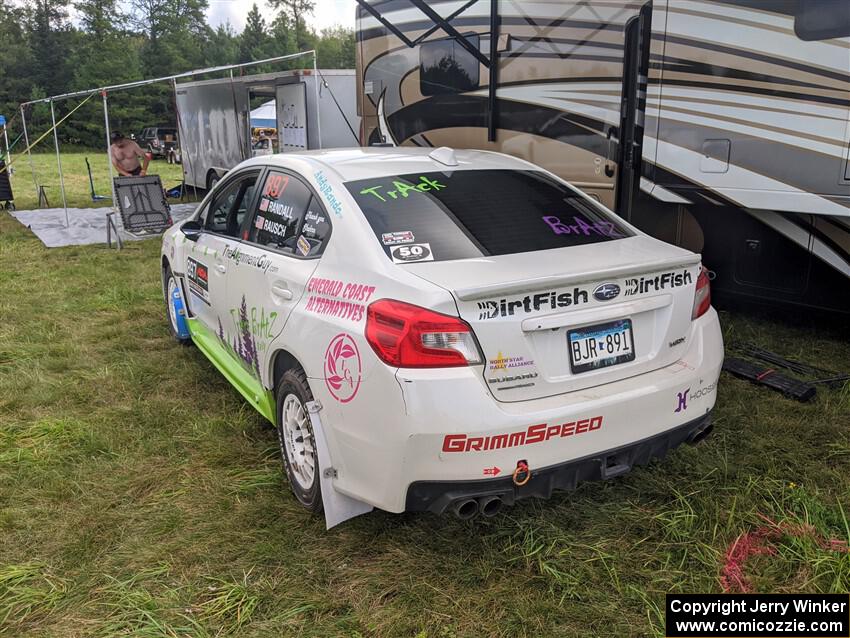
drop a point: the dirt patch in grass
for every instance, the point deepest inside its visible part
(129, 508)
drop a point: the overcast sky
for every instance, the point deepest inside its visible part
(328, 13)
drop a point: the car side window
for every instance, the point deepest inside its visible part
(228, 208)
(283, 202)
(315, 230)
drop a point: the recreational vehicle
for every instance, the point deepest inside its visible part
(213, 116)
(719, 125)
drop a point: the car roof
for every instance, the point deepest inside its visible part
(364, 163)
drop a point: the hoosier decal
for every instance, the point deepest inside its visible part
(640, 285)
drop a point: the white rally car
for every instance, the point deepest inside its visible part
(442, 330)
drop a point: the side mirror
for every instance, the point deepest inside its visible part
(192, 229)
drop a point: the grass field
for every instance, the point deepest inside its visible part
(77, 188)
(140, 495)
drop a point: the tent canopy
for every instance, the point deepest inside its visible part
(264, 116)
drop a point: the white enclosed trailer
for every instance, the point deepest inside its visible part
(314, 109)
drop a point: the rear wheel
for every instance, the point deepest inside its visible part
(212, 180)
(296, 439)
(175, 308)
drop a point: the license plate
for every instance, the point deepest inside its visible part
(601, 346)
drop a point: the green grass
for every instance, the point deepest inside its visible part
(77, 189)
(140, 495)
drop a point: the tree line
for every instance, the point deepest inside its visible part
(49, 47)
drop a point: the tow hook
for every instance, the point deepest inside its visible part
(522, 473)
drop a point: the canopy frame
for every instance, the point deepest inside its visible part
(105, 90)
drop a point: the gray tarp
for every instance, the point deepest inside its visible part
(88, 225)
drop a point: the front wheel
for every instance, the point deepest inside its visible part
(296, 439)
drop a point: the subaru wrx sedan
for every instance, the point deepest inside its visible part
(439, 330)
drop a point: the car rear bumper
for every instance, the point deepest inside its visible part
(437, 496)
(444, 429)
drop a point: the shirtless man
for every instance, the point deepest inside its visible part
(125, 156)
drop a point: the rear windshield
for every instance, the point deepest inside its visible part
(473, 213)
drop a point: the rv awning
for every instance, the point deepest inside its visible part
(264, 116)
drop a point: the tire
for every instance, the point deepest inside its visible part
(169, 284)
(296, 439)
(212, 180)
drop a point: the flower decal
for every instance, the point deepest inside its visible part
(342, 368)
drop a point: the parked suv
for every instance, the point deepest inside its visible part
(160, 141)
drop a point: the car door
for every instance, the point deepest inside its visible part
(282, 239)
(206, 261)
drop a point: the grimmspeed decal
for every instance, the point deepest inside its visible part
(199, 283)
(640, 285)
(531, 303)
(532, 434)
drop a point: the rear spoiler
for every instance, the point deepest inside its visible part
(472, 293)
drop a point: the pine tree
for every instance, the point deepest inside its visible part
(49, 37)
(254, 40)
(297, 11)
(221, 46)
(16, 62)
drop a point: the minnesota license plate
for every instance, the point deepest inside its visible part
(601, 346)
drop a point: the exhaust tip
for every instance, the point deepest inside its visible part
(489, 506)
(465, 509)
(700, 435)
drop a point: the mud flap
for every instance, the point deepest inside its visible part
(180, 311)
(338, 507)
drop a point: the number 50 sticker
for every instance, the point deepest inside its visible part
(411, 252)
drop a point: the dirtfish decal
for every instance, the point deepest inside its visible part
(640, 285)
(531, 303)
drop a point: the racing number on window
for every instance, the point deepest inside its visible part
(275, 185)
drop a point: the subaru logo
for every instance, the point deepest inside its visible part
(606, 292)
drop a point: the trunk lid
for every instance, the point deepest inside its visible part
(530, 311)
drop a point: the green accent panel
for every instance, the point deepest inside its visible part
(248, 386)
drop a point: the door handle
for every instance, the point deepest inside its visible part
(280, 290)
(221, 268)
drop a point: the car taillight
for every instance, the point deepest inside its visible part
(407, 336)
(702, 296)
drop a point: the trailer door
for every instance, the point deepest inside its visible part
(291, 101)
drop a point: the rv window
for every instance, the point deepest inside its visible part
(280, 209)
(474, 213)
(445, 67)
(822, 19)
